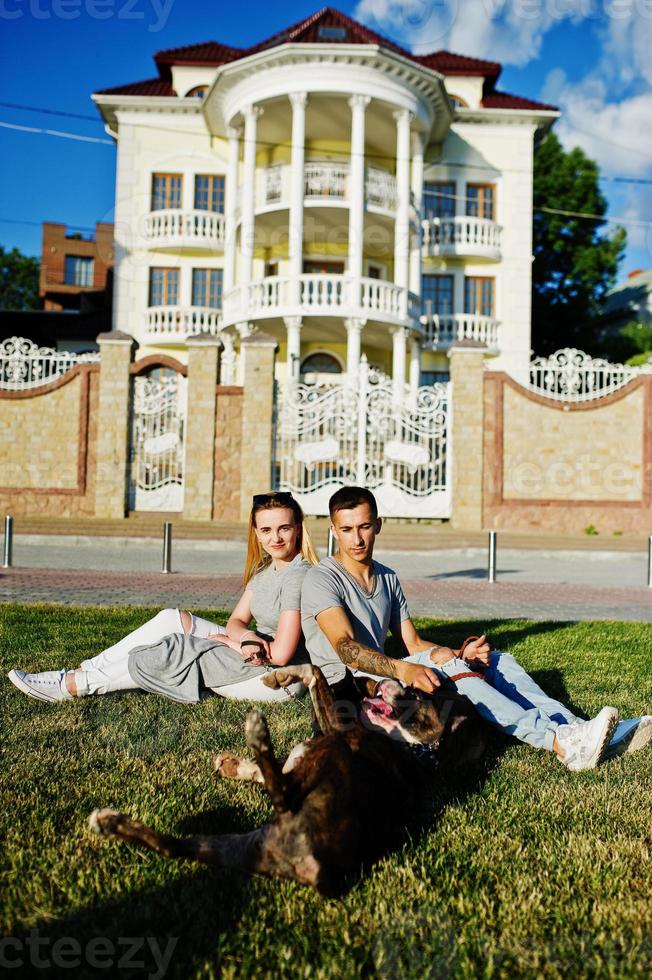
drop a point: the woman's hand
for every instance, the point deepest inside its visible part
(254, 649)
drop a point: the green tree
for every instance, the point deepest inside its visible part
(575, 263)
(19, 276)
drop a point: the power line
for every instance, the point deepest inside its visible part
(55, 132)
(50, 112)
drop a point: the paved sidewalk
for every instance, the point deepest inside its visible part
(439, 598)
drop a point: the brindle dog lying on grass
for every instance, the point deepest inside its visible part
(339, 797)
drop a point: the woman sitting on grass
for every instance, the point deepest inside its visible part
(180, 655)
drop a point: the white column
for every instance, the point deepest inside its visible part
(417, 191)
(227, 359)
(295, 237)
(230, 204)
(358, 104)
(251, 114)
(415, 366)
(399, 345)
(402, 224)
(293, 326)
(354, 327)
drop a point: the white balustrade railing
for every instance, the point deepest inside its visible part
(316, 293)
(570, 375)
(326, 180)
(174, 226)
(461, 234)
(383, 297)
(179, 322)
(440, 330)
(324, 291)
(273, 184)
(380, 188)
(23, 364)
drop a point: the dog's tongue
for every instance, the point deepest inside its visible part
(378, 705)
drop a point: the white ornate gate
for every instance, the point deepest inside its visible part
(157, 443)
(328, 436)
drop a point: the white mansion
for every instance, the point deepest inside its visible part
(331, 189)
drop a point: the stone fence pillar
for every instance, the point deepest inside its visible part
(203, 350)
(113, 429)
(258, 352)
(467, 381)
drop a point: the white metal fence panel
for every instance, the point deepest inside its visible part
(23, 364)
(332, 436)
(570, 375)
(157, 443)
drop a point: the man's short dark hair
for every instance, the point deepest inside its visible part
(349, 497)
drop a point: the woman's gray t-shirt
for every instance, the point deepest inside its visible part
(274, 592)
(327, 585)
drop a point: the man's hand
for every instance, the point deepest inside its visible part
(422, 678)
(477, 652)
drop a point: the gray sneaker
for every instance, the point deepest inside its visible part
(585, 742)
(49, 685)
(629, 736)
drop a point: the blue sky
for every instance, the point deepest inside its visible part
(591, 57)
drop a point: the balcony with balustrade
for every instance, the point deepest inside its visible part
(326, 184)
(462, 236)
(177, 230)
(440, 330)
(169, 326)
(322, 295)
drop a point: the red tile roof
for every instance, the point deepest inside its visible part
(308, 31)
(151, 86)
(458, 64)
(503, 100)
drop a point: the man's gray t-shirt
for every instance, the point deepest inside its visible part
(327, 585)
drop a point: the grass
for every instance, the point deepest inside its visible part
(515, 868)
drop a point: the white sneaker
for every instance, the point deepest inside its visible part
(49, 685)
(629, 736)
(585, 742)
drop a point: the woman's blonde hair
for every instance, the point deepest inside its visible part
(257, 558)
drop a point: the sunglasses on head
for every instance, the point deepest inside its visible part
(282, 497)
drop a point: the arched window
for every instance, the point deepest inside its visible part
(457, 102)
(321, 363)
(198, 92)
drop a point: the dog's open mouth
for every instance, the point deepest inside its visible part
(378, 706)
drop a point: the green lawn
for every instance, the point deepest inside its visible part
(515, 868)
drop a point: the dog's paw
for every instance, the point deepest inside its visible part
(226, 765)
(256, 731)
(274, 680)
(105, 822)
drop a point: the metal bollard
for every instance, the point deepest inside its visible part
(649, 562)
(491, 558)
(330, 548)
(9, 542)
(167, 548)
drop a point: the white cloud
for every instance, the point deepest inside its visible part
(617, 134)
(509, 31)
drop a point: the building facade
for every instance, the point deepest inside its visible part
(333, 190)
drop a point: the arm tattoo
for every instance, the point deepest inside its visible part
(359, 657)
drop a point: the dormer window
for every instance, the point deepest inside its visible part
(332, 33)
(198, 92)
(457, 102)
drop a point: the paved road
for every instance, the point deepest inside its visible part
(604, 568)
(537, 585)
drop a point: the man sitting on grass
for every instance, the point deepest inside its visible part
(348, 604)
